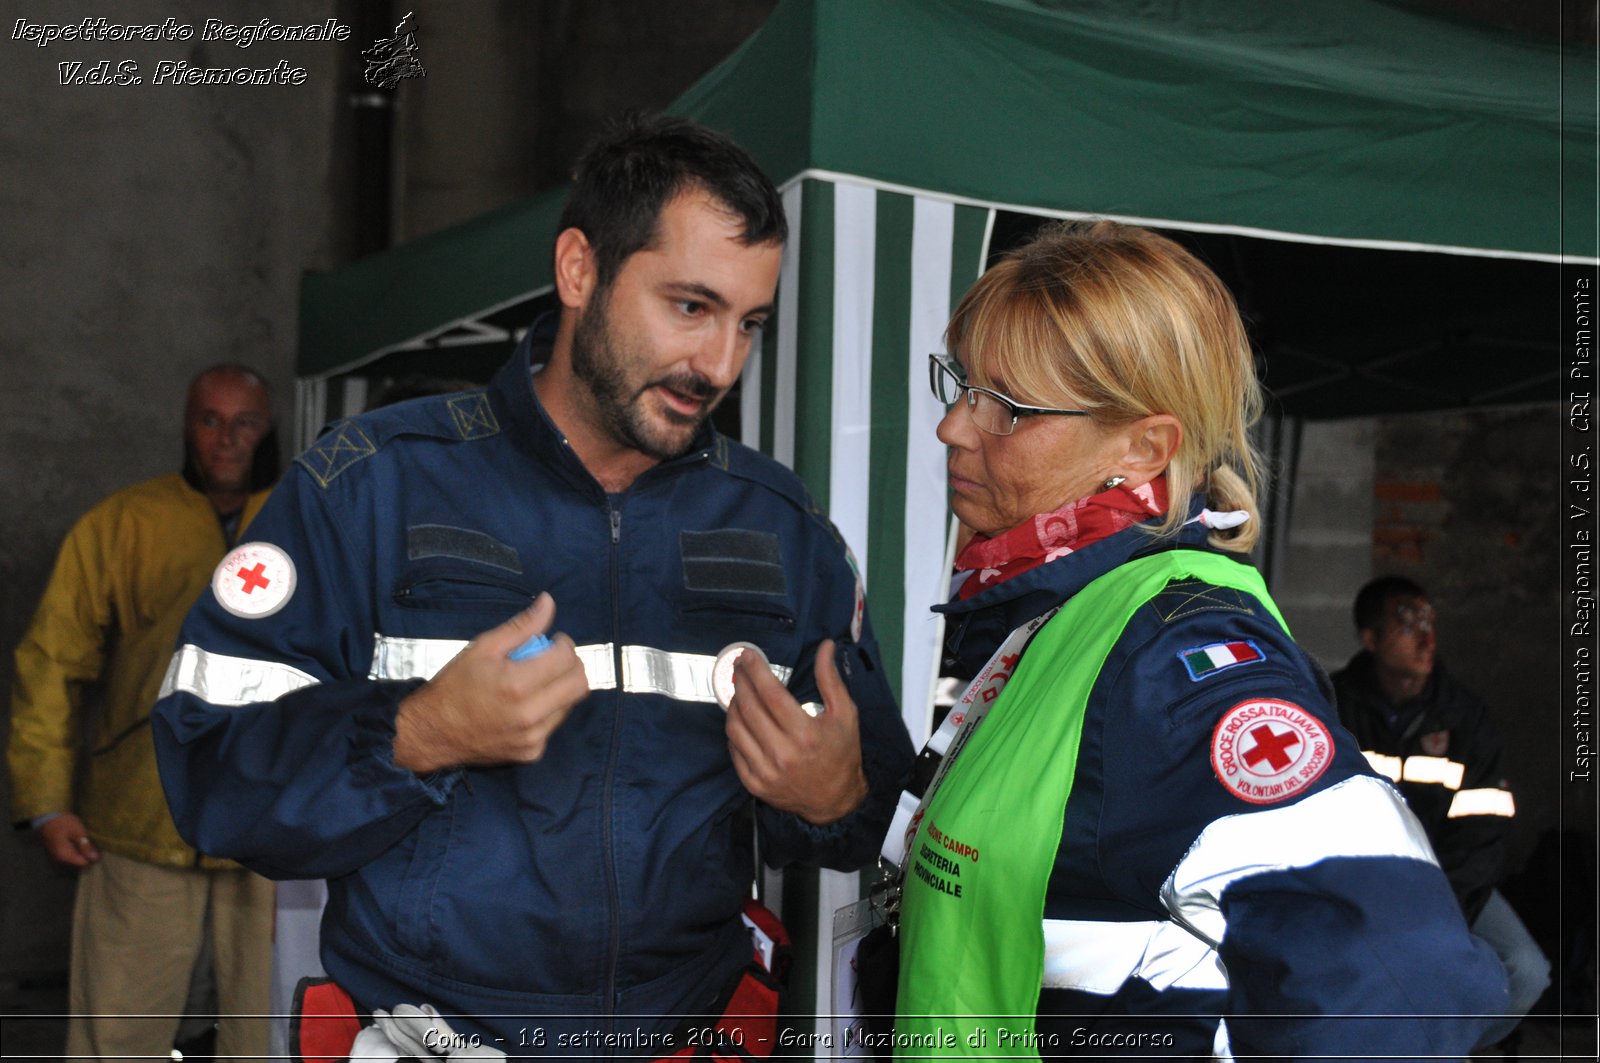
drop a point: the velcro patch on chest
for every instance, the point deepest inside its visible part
(1202, 662)
(733, 559)
(443, 540)
(1265, 750)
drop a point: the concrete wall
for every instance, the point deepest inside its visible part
(1328, 549)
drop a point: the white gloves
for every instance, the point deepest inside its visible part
(415, 1031)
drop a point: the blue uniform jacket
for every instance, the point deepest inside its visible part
(1315, 923)
(604, 880)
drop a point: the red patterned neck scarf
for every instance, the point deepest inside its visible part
(1051, 535)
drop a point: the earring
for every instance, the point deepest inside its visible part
(1115, 481)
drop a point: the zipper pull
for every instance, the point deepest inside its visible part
(616, 525)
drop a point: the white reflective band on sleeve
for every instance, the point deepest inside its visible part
(223, 680)
(1384, 765)
(1361, 816)
(1487, 802)
(1438, 770)
(645, 669)
(1099, 957)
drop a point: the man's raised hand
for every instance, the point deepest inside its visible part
(483, 708)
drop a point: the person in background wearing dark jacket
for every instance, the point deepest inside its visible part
(1432, 737)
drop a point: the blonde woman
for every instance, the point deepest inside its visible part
(1157, 840)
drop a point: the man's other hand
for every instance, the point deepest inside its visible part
(793, 762)
(66, 841)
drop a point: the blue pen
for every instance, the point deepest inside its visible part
(532, 648)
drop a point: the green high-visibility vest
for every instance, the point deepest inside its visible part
(971, 918)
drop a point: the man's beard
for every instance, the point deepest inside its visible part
(602, 368)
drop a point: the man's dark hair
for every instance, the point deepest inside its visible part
(640, 162)
(267, 462)
(1372, 599)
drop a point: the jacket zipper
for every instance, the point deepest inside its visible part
(613, 944)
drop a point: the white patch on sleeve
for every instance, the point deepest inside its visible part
(254, 580)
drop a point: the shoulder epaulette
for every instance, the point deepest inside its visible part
(758, 468)
(1186, 597)
(462, 415)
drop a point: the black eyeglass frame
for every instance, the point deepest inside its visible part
(944, 363)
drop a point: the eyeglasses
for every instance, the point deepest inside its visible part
(1414, 618)
(243, 424)
(991, 411)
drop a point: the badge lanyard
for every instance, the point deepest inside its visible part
(945, 744)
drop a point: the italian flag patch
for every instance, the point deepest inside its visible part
(1203, 661)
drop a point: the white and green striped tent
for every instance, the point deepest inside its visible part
(899, 130)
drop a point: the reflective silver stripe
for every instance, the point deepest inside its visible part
(394, 657)
(223, 680)
(1440, 770)
(682, 676)
(685, 676)
(1361, 816)
(1487, 802)
(397, 658)
(645, 669)
(599, 664)
(1385, 765)
(1099, 957)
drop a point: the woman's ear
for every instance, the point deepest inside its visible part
(1152, 442)
(576, 270)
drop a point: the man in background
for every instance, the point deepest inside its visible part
(1432, 737)
(125, 577)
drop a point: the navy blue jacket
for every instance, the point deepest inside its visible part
(604, 880)
(1175, 901)
(1443, 753)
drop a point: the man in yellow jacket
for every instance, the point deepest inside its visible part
(125, 577)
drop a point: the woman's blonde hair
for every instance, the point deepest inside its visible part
(1124, 323)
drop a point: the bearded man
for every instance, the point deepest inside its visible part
(550, 853)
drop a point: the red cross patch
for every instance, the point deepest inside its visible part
(254, 580)
(1268, 750)
(858, 615)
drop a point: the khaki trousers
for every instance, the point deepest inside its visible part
(136, 930)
